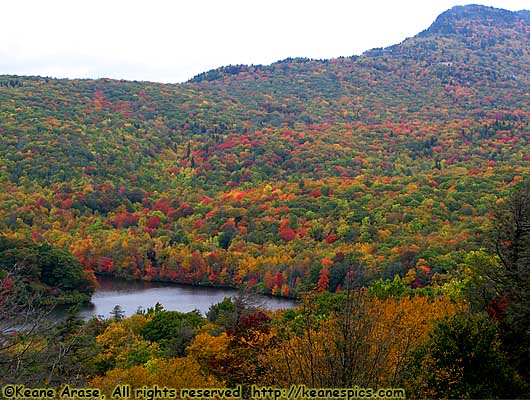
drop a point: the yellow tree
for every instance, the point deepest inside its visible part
(122, 346)
(363, 341)
(176, 373)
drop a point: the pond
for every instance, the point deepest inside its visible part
(132, 295)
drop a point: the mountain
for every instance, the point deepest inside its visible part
(463, 20)
(283, 175)
(486, 38)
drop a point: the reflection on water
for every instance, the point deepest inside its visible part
(132, 295)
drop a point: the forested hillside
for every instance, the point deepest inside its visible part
(283, 175)
(389, 191)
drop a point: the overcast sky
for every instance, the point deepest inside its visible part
(171, 41)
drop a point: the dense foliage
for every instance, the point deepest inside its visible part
(393, 185)
(54, 276)
(275, 175)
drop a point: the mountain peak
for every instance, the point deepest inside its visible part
(471, 34)
(460, 19)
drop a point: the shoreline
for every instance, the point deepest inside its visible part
(192, 285)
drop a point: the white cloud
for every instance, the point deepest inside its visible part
(170, 41)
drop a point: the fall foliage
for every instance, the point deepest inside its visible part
(387, 192)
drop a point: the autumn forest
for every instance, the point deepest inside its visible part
(389, 193)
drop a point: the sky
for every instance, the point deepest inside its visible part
(172, 41)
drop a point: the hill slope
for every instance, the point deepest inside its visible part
(280, 175)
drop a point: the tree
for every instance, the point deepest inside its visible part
(22, 325)
(352, 338)
(242, 346)
(173, 330)
(46, 269)
(175, 373)
(463, 358)
(121, 345)
(480, 289)
(35, 350)
(223, 313)
(117, 313)
(511, 230)
(512, 243)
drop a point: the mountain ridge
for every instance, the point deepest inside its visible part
(263, 175)
(473, 13)
(383, 175)
(443, 25)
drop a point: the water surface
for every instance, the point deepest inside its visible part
(132, 295)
